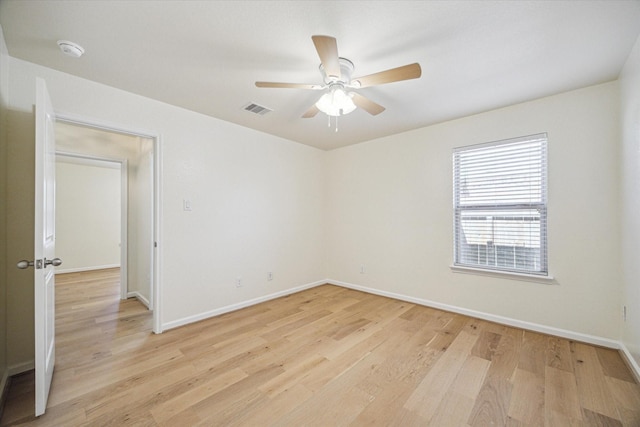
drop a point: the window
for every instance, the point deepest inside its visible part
(500, 205)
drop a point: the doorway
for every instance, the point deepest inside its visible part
(134, 156)
(91, 214)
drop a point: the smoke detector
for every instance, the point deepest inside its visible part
(70, 48)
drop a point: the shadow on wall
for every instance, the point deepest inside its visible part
(19, 243)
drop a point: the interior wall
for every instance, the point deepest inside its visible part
(4, 102)
(87, 214)
(19, 232)
(630, 161)
(257, 201)
(392, 212)
(140, 230)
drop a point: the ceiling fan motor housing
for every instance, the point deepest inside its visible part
(346, 69)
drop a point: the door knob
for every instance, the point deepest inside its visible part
(24, 264)
(55, 262)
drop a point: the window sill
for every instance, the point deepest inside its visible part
(548, 280)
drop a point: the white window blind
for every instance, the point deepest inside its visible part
(500, 205)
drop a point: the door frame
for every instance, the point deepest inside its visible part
(156, 253)
(124, 200)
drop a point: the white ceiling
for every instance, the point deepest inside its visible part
(206, 55)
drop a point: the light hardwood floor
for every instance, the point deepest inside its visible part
(327, 356)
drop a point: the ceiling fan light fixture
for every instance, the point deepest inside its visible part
(336, 103)
(336, 73)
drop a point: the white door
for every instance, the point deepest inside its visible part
(44, 251)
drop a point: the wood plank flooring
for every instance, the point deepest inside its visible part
(327, 356)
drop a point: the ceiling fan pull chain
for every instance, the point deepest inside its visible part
(336, 124)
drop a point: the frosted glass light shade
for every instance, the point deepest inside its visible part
(336, 103)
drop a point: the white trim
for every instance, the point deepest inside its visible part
(124, 228)
(21, 368)
(549, 330)
(527, 138)
(90, 268)
(238, 306)
(91, 122)
(137, 295)
(547, 280)
(156, 277)
(76, 159)
(631, 361)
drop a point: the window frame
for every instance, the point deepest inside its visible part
(540, 206)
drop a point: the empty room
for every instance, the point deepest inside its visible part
(320, 213)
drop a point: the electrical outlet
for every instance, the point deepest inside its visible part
(361, 268)
(239, 282)
(269, 276)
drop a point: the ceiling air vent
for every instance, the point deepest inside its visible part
(257, 109)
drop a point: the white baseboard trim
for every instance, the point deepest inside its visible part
(20, 368)
(233, 307)
(139, 297)
(79, 269)
(563, 333)
(631, 361)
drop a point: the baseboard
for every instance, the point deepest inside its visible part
(630, 360)
(238, 306)
(139, 297)
(563, 333)
(20, 368)
(91, 268)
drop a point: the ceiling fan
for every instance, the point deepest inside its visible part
(339, 97)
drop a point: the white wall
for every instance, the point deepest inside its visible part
(391, 211)
(258, 201)
(140, 227)
(87, 215)
(4, 262)
(630, 161)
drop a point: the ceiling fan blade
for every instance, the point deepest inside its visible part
(406, 72)
(311, 112)
(366, 104)
(327, 48)
(288, 85)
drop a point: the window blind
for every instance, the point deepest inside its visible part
(500, 205)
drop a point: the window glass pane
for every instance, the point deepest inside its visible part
(509, 239)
